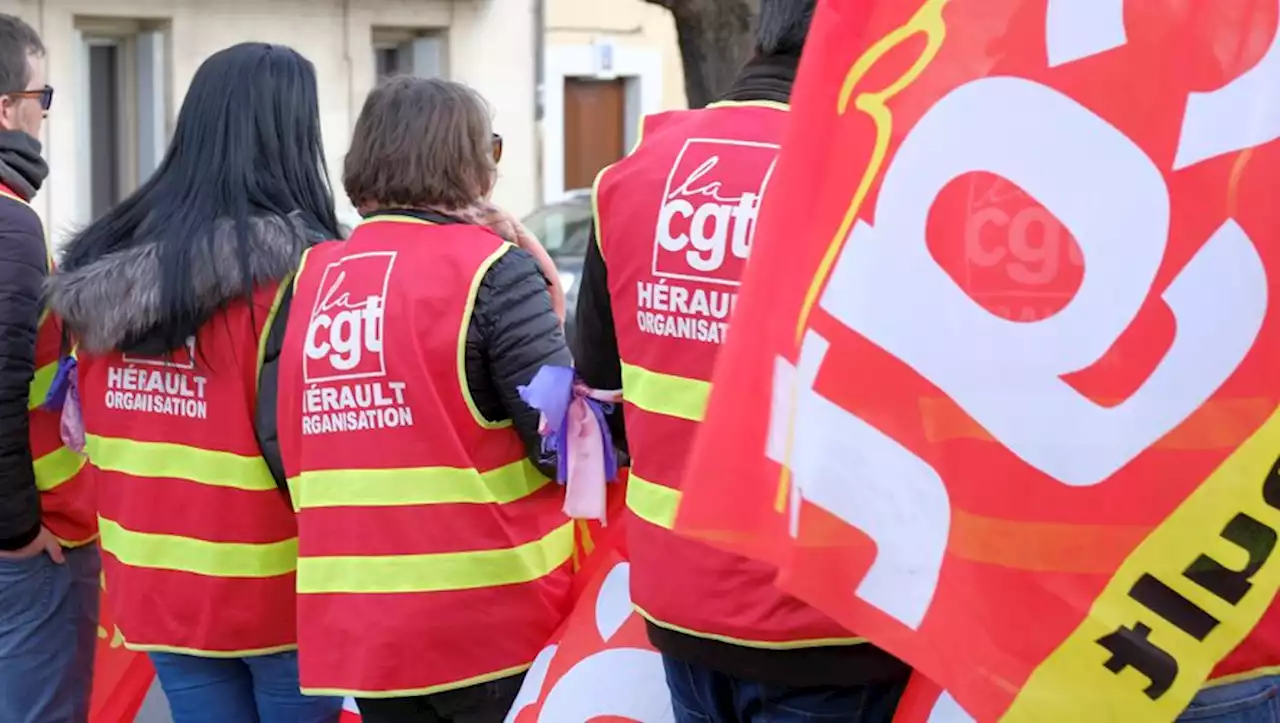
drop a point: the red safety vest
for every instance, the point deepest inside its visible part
(68, 495)
(64, 480)
(200, 545)
(674, 222)
(432, 554)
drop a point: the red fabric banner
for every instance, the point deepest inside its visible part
(1002, 389)
(924, 701)
(600, 666)
(121, 677)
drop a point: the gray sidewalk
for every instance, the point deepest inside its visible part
(155, 709)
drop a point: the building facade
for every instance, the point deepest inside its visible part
(568, 81)
(606, 64)
(120, 69)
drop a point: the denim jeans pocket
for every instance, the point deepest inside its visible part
(686, 699)
(1251, 701)
(26, 590)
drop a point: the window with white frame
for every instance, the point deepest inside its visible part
(399, 51)
(124, 66)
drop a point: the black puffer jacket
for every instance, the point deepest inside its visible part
(513, 333)
(22, 272)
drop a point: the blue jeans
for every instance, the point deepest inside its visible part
(1249, 701)
(48, 636)
(701, 695)
(260, 689)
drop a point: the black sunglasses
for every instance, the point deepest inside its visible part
(497, 148)
(45, 95)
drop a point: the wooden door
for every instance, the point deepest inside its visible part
(594, 126)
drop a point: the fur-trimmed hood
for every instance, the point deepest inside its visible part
(115, 300)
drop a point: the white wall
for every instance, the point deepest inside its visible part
(490, 47)
(632, 24)
(492, 50)
(641, 69)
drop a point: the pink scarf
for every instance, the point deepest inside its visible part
(586, 466)
(509, 228)
(573, 428)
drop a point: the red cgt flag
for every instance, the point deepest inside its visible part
(924, 701)
(121, 677)
(600, 665)
(1001, 389)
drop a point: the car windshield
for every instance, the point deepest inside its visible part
(563, 228)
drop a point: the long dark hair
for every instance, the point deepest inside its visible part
(247, 145)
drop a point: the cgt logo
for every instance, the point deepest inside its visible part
(344, 336)
(601, 665)
(709, 209)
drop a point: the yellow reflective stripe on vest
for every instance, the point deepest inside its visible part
(670, 396)
(40, 384)
(652, 502)
(472, 291)
(161, 459)
(665, 394)
(437, 572)
(770, 104)
(185, 554)
(302, 264)
(416, 486)
(56, 468)
(265, 334)
(63, 463)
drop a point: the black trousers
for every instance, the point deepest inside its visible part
(702, 695)
(484, 703)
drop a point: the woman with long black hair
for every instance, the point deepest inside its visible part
(169, 297)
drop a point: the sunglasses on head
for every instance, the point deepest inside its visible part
(497, 148)
(45, 95)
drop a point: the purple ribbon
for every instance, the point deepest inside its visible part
(551, 392)
(64, 398)
(63, 381)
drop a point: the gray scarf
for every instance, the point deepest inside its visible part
(21, 167)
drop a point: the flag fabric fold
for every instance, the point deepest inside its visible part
(1006, 402)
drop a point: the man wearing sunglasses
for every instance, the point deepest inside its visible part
(49, 567)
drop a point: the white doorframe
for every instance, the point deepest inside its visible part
(640, 67)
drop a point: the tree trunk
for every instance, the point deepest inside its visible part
(716, 39)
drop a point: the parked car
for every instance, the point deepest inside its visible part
(564, 228)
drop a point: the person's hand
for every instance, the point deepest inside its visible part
(45, 542)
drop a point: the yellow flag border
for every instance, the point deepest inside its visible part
(1156, 631)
